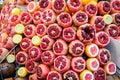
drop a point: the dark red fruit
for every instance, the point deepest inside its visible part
(37, 17)
(115, 6)
(116, 18)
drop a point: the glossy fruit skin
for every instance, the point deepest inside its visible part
(56, 75)
(116, 17)
(59, 61)
(33, 76)
(42, 71)
(78, 62)
(115, 7)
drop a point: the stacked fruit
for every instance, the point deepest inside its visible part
(61, 39)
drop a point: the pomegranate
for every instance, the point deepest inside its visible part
(48, 57)
(104, 56)
(42, 71)
(78, 64)
(14, 19)
(112, 30)
(30, 66)
(41, 30)
(115, 6)
(48, 16)
(61, 64)
(97, 22)
(46, 43)
(37, 16)
(60, 47)
(54, 30)
(58, 6)
(74, 5)
(70, 75)
(69, 34)
(79, 18)
(35, 53)
(64, 19)
(76, 48)
(91, 10)
(104, 7)
(21, 57)
(54, 75)
(25, 18)
(102, 39)
(116, 18)
(25, 44)
(86, 33)
(45, 4)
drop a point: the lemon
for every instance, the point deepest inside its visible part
(93, 2)
(36, 40)
(16, 11)
(17, 38)
(10, 58)
(19, 28)
(108, 19)
(84, 2)
(22, 72)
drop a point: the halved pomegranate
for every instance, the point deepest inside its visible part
(60, 47)
(69, 34)
(41, 29)
(30, 66)
(29, 30)
(54, 30)
(14, 19)
(104, 56)
(70, 75)
(76, 48)
(100, 74)
(46, 43)
(112, 30)
(35, 53)
(54, 75)
(64, 19)
(42, 71)
(104, 7)
(86, 33)
(102, 39)
(91, 10)
(78, 64)
(37, 16)
(110, 68)
(58, 6)
(48, 16)
(86, 75)
(25, 44)
(97, 22)
(116, 18)
(74, 5)
(32, 6)
(115, 6)
(61, 64)
(79, 18)
(45, 4)
(25, 18)
(92, 64)
(21, 57)
(48, 57)
(91, 50)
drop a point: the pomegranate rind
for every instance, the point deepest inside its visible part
(51, 77)
(83, 75)
(116, 4)
(75, 64)
(66, 61)
(64, 46)
(73, 75)
(115, 17)
(72, 46)
(110, 68)
(92, 64)
(91, 50)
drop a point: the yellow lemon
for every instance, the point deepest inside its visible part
(36, 40)
(22, 72)
(16, 11)
(108, 19)
(17, 38)
(84, 2)
(10, 58)
(93, 2)
(19, 28)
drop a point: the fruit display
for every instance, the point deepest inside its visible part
(58, 39)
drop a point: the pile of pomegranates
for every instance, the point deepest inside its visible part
(59, 39)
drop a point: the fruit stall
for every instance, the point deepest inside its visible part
(59, 39)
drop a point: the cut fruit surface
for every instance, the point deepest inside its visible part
(16, 11)
(22, 72)
(10, 58)
(36, 40)
(108, 19)
(19, 28)
(17, 38)
(32, 6)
